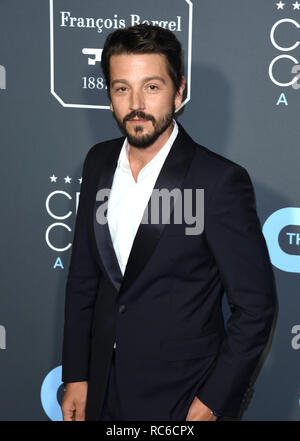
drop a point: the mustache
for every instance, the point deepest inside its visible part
(138, 114)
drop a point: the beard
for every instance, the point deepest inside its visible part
(139, 139)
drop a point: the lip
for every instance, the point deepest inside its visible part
(138, 120)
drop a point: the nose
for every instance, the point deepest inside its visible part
(136, 100)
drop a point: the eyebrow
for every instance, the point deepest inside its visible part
(145, 80)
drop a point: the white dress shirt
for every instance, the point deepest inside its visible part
(128, 198)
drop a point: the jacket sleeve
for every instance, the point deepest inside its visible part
(80, 293)
(235, 238)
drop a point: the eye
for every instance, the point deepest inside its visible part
(119, 89)
(152, 87)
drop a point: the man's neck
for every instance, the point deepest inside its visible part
(139, 157)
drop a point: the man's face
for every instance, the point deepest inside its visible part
(143, 98)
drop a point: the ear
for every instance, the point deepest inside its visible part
(111, 107)
(179, 94)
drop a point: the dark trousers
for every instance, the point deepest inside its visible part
(111, 410)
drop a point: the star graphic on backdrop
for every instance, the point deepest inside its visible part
(80, 180)
(68, 180)
(296, 5)
(53, 178)
(280, 5)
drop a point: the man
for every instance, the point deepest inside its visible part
(144, 335)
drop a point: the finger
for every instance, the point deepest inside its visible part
(80, 414)
(68, 414)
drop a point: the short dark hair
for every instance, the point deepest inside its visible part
(145, 39)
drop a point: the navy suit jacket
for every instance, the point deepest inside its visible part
(165, 313)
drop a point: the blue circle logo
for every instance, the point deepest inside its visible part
(49, 389)
(280, 219)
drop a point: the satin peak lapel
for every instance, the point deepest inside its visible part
(102, 234)
(170, 177)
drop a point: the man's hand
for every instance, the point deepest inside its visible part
(74, 401)
(199, 412)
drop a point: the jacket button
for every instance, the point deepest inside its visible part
(122, 308)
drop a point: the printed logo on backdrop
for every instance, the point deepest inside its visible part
(52, 393)
(2, 337)
(284, 68)
(61, 206)
(77, 34)
(282, 234)
(2, 77)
